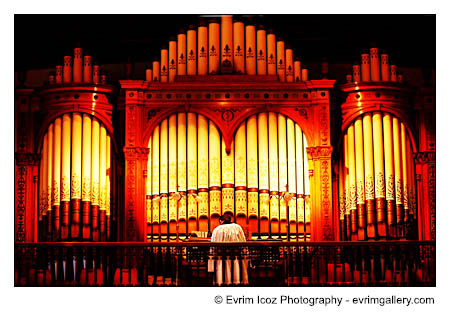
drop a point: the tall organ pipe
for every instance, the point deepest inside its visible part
(347, 215)
(67, 71)
(252, 173)
(56, 177)
(202, 48)
(87, 69)
(297, 70)
(172, 59)
(86, 176)
(191, 51)
(289, 65)
(75, 183)
(240, 167)
(282, 162)
(273, 175)
(95, 180)
(300, 180)
(239, 47)
(192, 170)
(352, 180)
(213, 46)
(78, 65)
(214, 175)
(182, 167)
(365, 66)
(360, 194)
(263, 150)
(261, 39)
(250, 47)
(281, 62)
(164, 72)
(102, 201)
(155, 70)
(65, 176)
(398, 175)
(292, 185)
(163, 179)
(226, 44)
(384, 67)
(380, 187)
(108, 187)
(227, 180)
(406, 180)
(368, 174)
(181, 53)
(374, 65)
(271, 53)
(389, 174)
(307, 191)
(155, 182)
(203, 174)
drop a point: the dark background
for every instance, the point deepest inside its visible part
(40, 41)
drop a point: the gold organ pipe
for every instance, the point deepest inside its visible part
(352, 180)
(172, 59)
(148, 184)
(56, 177)
(292, 185)
(102, 202)
(59, 74)
(374, 64)
(273, 173)
(65, 175)
(191, 51)
(307, 191)
(347, 218)
(148, 75)
(396, 136)
(155, 70)
(297, 71)
(393, 73)
(252, 172)
(192, 170)
(50, 181)
(108, 186)
(95, 179)
(368, 174)
(214, 175)
(227, 44)
(365, 67)
(163, 178)
(341, 198)
(227, 180)
(78, 65)
(356, 73)
(282, 165)
(240, 167)
(250, 47)
(172, 144)
(181, 53)
(238, 47)
(45, 187)
(281, 62)
(300, 180)
(304, 74)
(289, 65)
(96, 74)
(182, 180)
(87, 69)
(42, 177)
(406, 180)
(213, 44)
(271, 54)
(261, 38)
(86, 175)
(67, 70)
(75, 182)
(389, 173)
(202, 49)
(155, 179)
(164, 65)
(203, 173)
(380, 187)
(263, 151)
(360, 196)
(385, 67)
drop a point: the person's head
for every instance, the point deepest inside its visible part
(225, 219)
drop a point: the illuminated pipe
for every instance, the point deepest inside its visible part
(281, 62)
(49, 181)
(95, 179)
(172, 59)
(67, 70)
(164, 66)
(341, 189)
(374, 65)
(356, 72)
(307, 190)
(86, 176)
(163, 178)
(96, 74)
(289, 64)
(51, 78)
(271, 53)
(240, 167)
(380, 187)
(297, 70)
(347, 215)
(203, 173)
(393, 73)
(182, 180)
(213, 46)
(155, 182)
(283, 171)
(368, 174)
(365, 66)
(214, 175)
(181, 53)
(228, 180)
(360, 194)
(65, 175)
(155, 70)
(59, 74)
(352, 180)
(252, 173)
(148, 186)
(102, 200)
(108, 187)
(192, 170)
(300, 180)
(398, 174)
(191, 51)
(202, 48)
(250, 47)
(44, 178)
(263, 172)
(78, 65)
(385, 73)
(261, 39)
(75, 182)
(56, 178)
(238, 47)
(148, 75)
(292, 185)
(273, 174)
(389, 174)
(404, 164)
(305, 74)
(226, 44)
(87, 69)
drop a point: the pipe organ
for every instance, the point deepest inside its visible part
(211, 181)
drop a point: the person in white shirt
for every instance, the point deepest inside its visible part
(228, 231)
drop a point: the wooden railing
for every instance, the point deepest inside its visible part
(262, 263)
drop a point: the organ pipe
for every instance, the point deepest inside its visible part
(65, 175)
(307, 191)
(252, 171)
(271, 54)
(163, 176)
(182, 166)
(56, 177)
(227, 44)
(86, 175)
(95, 180)
(181, 53)
(227, 179)
(261, 39)
(240, 167)
(164, 66)
(368, 174)
(379, 172)
(96, 74)
(250, 46)
(281, 63)
(102, 201)
(238, 47)
(282, 158)
(374, 65)
(108, 186)
(297, 71)
(300, 179)
(203, 171)
(365, 67)
(148, 75)
(78, 65)
(155, 70)
(289, 65)
(202, 49)
(273, 171)
(213, 44)
(87, 69)
(398, 174)
(304, 74)
(59, 74)
(352, 180)
(155, 175)
(67, 70)
(148, 183)
(191, 51)
(192, 169)
(263, 150)
(404, 164)
(292, 185)
(356, 73)
(393, 73)
(214, 175)
(347, 215)
(172, 144)
(385, 67)
(389, 173)
(172, 59)
(360, 194)
(75, 183)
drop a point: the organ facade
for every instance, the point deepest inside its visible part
(227, 120)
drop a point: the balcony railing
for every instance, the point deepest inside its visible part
(256, 263)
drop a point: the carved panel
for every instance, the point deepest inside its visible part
(432, 199)
(21, 203)
(131, 195)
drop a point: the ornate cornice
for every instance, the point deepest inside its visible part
(26, 159)
(319, 152)
(132, 153)
(425, 157)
